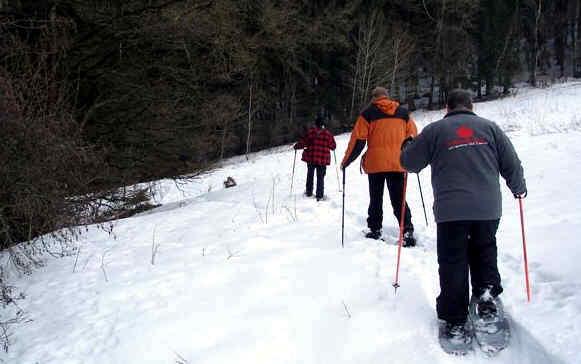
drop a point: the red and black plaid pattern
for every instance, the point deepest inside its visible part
(317, 144)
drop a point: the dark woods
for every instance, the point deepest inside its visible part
(100, 94)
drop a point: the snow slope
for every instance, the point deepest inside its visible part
(256, 273)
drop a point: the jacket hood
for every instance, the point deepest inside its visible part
(386, 105)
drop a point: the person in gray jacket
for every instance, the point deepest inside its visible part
(466, 154)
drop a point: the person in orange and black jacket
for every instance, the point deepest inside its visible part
(384, 125)
(316, 143)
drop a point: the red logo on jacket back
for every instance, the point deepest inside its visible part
(465, 138)
(464, 132)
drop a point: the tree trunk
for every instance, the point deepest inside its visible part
(575, 36)
(536, 44)
(431, 97)
(250, 86)
(224, 132)
(396, 44)
(354, 84)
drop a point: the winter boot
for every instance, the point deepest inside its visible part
(455, 338)
(408, 239)
(457, 334)
(486, 310)
(374, 234)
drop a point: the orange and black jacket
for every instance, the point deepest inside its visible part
(384, 125)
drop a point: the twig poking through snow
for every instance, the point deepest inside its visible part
(103, 265)
(77, 258)
(180, 359)
(231, 254)
(154, 247)
(346, 309)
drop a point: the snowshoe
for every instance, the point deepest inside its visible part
(455, 339)
(491, 326)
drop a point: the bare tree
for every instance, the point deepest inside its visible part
(371, 38)
(381, 53)
(250, 113)
(51, 180)
(402, 48)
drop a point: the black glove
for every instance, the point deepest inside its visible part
(407, 141)
(520, 195)
(296, 146)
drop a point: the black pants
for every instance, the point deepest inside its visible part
(321, 171)
(465, 247)
(394, 182)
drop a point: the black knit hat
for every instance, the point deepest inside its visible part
(319, 121)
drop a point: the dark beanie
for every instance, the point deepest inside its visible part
(319, 121)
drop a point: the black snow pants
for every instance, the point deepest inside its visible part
(321, 171)
(394, 181)
(465, 247)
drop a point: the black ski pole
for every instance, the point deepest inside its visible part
(422, 196)
(293, 175)
(343, 214)
(337, 172)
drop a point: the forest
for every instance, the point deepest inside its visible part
(97, 96)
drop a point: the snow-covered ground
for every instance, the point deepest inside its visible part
(256, 273)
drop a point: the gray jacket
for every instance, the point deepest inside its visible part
(466, 154)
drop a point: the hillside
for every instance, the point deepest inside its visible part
(256, 273)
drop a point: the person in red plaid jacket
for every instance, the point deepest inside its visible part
(317, 143)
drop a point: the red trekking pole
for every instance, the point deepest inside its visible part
(405, 182)
(524, 247)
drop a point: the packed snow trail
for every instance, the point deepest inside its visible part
(254, 274)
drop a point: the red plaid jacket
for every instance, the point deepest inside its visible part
(317, 144)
